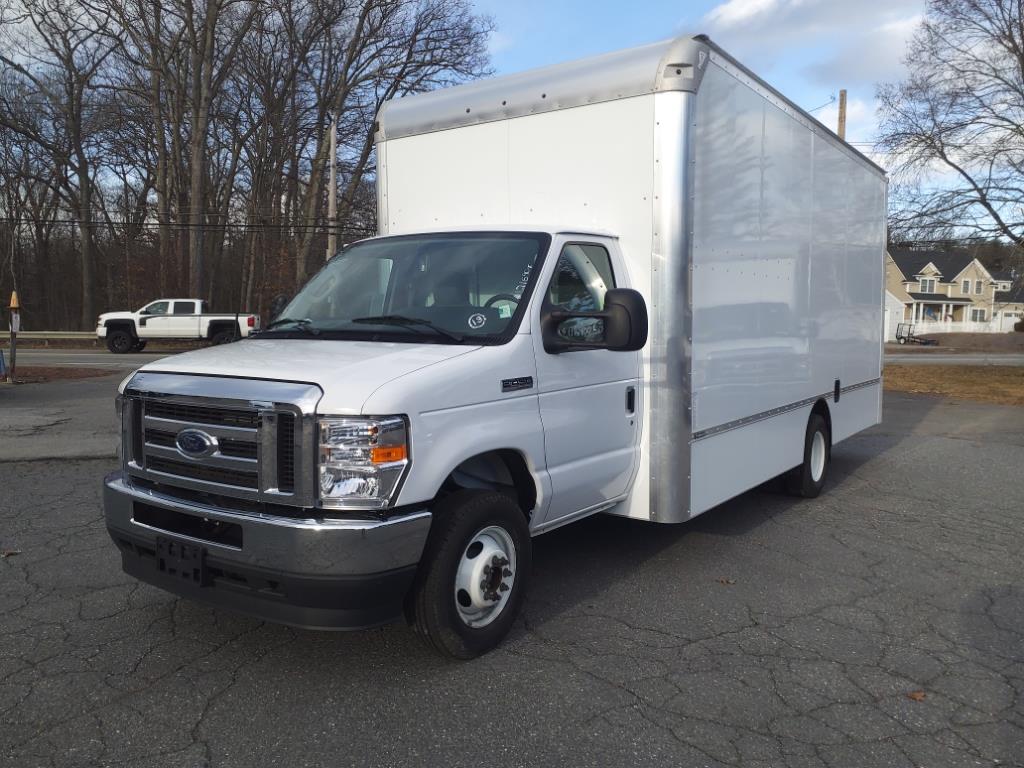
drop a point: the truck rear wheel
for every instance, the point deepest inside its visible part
(474, 574)
(119, 342)
(808, 479)
(223, 337)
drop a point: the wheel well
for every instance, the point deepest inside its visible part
(503, 470)
(821, 408)
(217, 326)
(122, 325)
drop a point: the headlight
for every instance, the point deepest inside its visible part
(361, 461)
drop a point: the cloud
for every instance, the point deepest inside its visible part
(736, 11)
(838, 41)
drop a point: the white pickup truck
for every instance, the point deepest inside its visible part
(637, 285)
(171, 319)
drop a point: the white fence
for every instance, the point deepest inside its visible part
(1001, 324)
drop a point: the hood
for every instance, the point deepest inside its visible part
(348, 372)
(116, 315)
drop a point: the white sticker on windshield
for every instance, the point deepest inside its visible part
(477, 321)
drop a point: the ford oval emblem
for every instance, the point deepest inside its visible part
(196, 444)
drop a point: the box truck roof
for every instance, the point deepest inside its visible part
(551, 229)
(677, 64)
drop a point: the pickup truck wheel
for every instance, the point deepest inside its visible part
(473, 575)
(223, 337)
(120, 342)
(808, 479)
(139, 346)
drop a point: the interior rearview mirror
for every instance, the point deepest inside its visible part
(621, 326)
(277, 305)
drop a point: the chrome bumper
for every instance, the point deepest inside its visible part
(324, 574)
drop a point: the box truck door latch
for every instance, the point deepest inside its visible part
(838, 391)
(630, 399)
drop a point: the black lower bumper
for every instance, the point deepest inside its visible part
(337, 602)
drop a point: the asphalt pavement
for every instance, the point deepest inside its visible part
(881, 624)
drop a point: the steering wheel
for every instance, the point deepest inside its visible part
(501, 297)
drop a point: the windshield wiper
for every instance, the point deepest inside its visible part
(409, 321)
(305, 324)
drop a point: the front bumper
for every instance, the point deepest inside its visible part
(316, 574)
(101, 331)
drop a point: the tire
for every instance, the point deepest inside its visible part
(139, 346)
(120, 341)
(808, 479)
(222, 337)
(440, 607)
(902, 340)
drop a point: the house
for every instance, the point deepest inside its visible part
(1009, 305)
(951, 291)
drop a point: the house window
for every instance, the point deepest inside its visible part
(927, 285)
(966, 287)
(978, 315)
(977, 286)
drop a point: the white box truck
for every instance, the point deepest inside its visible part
(637, 284)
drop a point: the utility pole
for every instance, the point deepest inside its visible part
(15, 309)
(842, 114)
(332, 193)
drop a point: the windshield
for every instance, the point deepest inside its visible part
(450, 288)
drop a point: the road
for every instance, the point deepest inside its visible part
(85, 358)
(881, 624)
(92, 358)
(938, 358)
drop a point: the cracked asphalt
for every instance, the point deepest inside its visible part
(879, 625)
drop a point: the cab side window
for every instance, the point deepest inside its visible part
(583, 274)
(184, 308)
(157, 308)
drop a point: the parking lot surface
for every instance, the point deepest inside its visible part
(881, 624)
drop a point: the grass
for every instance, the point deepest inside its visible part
(1001, 384)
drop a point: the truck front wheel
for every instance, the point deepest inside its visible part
(119, 342)
(474, 573)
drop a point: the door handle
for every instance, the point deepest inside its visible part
(630, 400)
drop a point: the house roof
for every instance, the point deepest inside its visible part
(1013, 296)
(949, 263)
(938, 298)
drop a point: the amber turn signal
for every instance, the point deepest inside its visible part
(388, 454)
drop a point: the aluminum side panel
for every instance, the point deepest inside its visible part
(788, 244)
(669, 417)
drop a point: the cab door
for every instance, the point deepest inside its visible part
(184, 321)
(588, 398)
(154, 320)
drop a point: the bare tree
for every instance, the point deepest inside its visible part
(163, 146)
(955, 126)
(52, 52)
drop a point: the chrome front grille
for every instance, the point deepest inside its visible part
(258, 435)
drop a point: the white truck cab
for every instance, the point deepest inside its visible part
(707, 317)
(171, 319)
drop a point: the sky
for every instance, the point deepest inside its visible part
(808, 49)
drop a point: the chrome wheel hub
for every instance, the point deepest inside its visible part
(485, 576)
(817, 456)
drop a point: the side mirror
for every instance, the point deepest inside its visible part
(621, 326)
(277, 305)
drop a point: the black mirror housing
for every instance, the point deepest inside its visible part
(625, 324)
